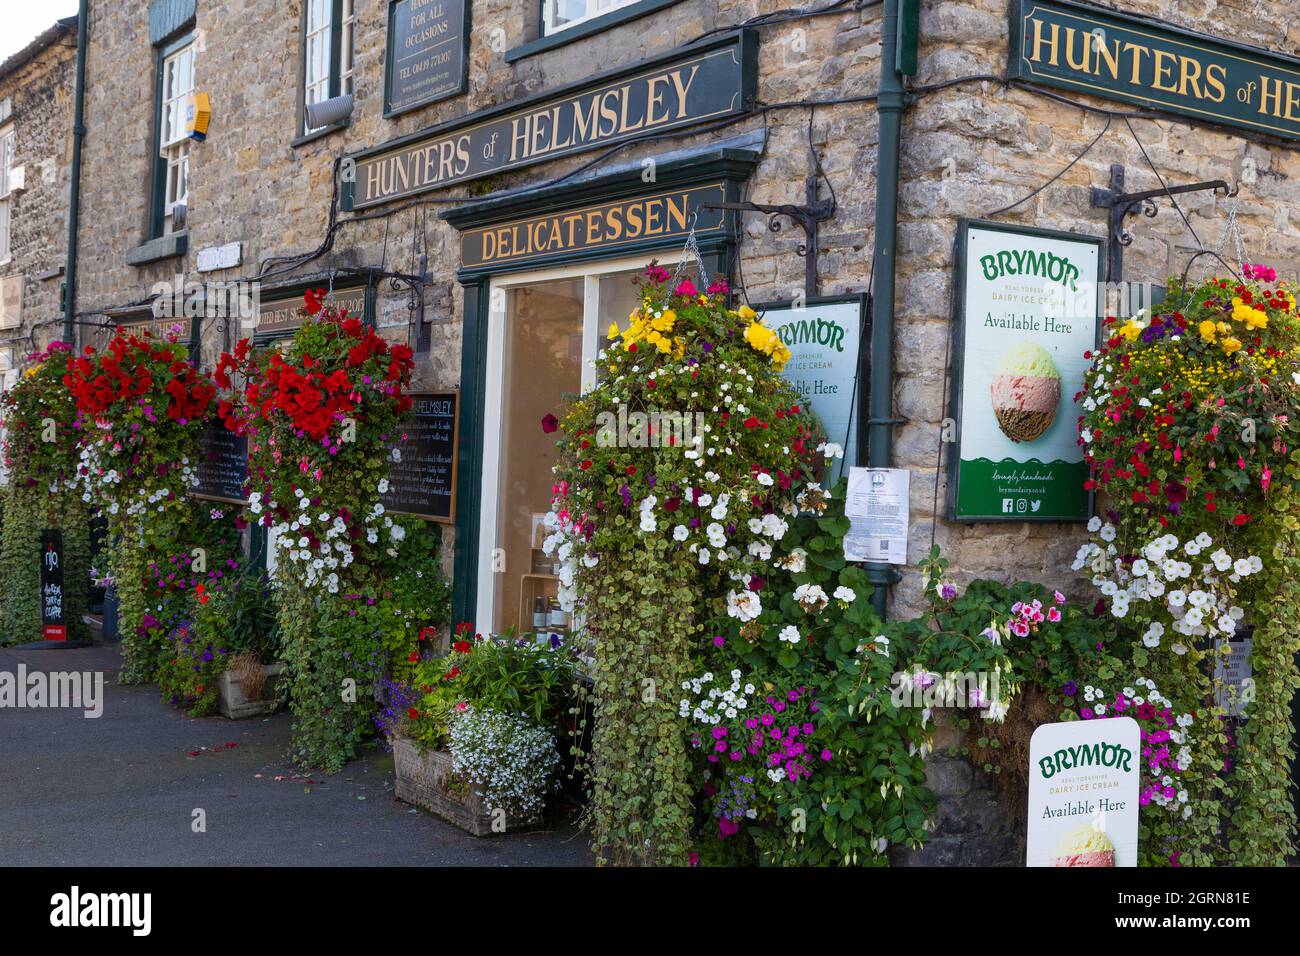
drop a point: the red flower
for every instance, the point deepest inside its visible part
(1240, 519)
(550, 423)
(413, 714)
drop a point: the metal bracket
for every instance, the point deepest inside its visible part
(806, 217)
(1122, 205)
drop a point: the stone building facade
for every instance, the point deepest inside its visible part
(973, 146)
(36, 99)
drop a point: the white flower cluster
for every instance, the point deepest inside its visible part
(1198, 597)
(101, 485)
(333, 551)
(710, 703)
(512, 762)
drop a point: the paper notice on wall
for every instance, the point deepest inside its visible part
(877, 507)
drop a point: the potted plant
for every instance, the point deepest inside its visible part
(251, 683)
(475, 735)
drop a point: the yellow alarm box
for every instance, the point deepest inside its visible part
(198, 113)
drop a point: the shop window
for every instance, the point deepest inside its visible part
(7, 143)
(543, 336)
(327, 51)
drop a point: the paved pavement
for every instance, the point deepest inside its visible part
(122, 790)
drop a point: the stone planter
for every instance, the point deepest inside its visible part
(425, 778)
(234, 704)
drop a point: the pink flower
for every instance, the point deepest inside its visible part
(1053, 615)
(1060, 598)
(686, 288)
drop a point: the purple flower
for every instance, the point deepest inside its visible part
(1070, 688)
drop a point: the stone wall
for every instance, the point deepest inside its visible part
(40, 93)
(968, 149)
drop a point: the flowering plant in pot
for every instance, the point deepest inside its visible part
(1191, 427)
(320, 417)
(660, 525)
(41, 452)
(141, 409)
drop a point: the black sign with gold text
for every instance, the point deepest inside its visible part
(708, 81)
(280, 315)
(1079, 47)
(608, 227)
(428, 52)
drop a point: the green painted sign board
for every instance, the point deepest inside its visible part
(1026, 314)
(708, 81)
(428, 53)
(1076, 46)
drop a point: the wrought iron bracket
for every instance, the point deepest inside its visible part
(1121, 205)
(807, 217)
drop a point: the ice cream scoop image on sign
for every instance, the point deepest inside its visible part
(1084, 777)
(1025, 391)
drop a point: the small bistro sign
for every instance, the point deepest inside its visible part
(222, 466)
(709, 81)
(1027, 313)
(428, 53)
(1076, 46)
(54, 623)
(607, 227)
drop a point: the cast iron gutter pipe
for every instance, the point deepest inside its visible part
(889, 111)
(74, 198)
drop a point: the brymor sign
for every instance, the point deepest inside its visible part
(1075, 46)
(608, 227)
(707, 81)
(1083, 793)
(1027, 313)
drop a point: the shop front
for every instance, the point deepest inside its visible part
(546, 274)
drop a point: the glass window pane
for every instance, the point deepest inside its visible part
(541, 372)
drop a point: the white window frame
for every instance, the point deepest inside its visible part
(595, 8)
(8, 144)
(319, 37)
(173, 140)
(501, 293)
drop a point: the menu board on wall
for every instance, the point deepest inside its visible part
(423, 482)
(222, 464)
(428, 53)
(1026, 314)
(282, 314)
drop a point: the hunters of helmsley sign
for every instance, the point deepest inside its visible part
(1080, 47)
(1027, 314)
(706, 81)
(1083, 793)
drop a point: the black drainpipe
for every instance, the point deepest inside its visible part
(889, 110)
(74, 199)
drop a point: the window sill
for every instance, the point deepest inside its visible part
(155, 250)
(318, 134)
(595, 25)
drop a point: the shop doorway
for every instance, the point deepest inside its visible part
(545, 329)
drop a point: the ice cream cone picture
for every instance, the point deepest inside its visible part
(1025, 392)
(1085, 846)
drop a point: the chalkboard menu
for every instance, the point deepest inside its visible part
(428, 52)
(423, 483)
(222, 465)
(52, 618)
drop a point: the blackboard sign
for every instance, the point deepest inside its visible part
(52, 615)
(222, 465)
(423, 483)
(428, 53)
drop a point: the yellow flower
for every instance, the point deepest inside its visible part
(1131, 330)
(1230, 345)
(1257, 319)
(1207, 330)
(664, 321)
(745, 312)
(613, 330)
(761, 338)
